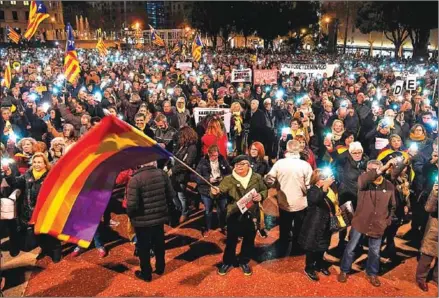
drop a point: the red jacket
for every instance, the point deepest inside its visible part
(208, 140)
(123, 178)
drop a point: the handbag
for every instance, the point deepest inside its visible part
(334, 225)
(347, 212)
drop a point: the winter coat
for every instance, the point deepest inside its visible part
(348, 172)
(149, 192)
(259, 166)
(208, 140)
(234, 191)
(376, 205)
(180, 174)
(429, 242)
(205, 170)
(315, 234)
(30, 189)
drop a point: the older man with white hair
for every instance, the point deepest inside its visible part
(293, 175)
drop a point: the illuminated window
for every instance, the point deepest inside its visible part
(26, 3)
(13, 2)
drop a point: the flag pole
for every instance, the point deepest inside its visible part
(193, 171)
(67, 42)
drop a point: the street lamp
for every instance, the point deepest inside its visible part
(303, 31)
(327, 20)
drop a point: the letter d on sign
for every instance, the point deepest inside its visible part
(411, 82)
(398, 88)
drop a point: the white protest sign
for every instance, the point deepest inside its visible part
(246, 201)
(410, 83)
(200, 113)
(241, 75)
(184, 65)
(398, 88)
(313, 68)
(380, 143)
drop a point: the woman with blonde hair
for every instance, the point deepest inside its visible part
(236, 127)
(57, 149)
(23, 158)
(214, 135)
(30, 184)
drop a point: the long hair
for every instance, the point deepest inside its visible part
(187, 136)
(214, 128)
(44, 157)
(261, 150)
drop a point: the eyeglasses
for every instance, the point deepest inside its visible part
(357, 153)
(241, 164)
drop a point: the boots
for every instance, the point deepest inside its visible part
(56, 255)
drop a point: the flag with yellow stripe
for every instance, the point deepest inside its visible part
(102, 49)
(35, 18)
(197, 45)
(13, 35)
(8, 76)
(71, 62)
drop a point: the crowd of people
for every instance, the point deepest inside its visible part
(341, 149)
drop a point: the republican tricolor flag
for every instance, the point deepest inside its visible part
(71, 62)
(37, 14)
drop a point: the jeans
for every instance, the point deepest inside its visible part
(151, 238)
(183, 201)
(373, 257)
(221, 204)
(97, 240)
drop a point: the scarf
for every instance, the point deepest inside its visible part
(298, 132)
(415, 138)
(243, 180)
(238, 122)
(336, 136)
(38, 175)
(181, 110)
(215, 169)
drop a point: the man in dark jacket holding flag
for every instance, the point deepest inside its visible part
(149, 192)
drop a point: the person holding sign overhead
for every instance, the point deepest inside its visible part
(241, 184)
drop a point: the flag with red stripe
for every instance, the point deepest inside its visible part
(36, 18)
(13, 35)
(156, 39)
(8, 76)
(71, 62)
(197, 45)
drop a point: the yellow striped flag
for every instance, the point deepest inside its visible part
(197, 45)
(32, 10)
(177, 47)
(35, 20)
(102, 49)
(71, 62)
(8, 76)
(13, 35)
(156, 39)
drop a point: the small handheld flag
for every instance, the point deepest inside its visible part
(102, 49)
(8, 76)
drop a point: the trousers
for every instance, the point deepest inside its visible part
(151, 238)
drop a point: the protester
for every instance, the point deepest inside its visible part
(243, 181)
(375, 211)
(149, 192)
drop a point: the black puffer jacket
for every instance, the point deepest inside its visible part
(149, 192)
(315, 234)
(259, 166)
(30, 189)
(205, 170)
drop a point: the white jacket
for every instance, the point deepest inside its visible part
(293, 175)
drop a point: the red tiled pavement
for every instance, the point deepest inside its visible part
(191, 271)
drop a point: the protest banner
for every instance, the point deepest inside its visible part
(184, 65)
(265, 76)
(311, 68)
(200, 113)
(241, 75)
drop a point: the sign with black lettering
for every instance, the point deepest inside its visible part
(398, 88)
(241, 75)
(410, 83)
